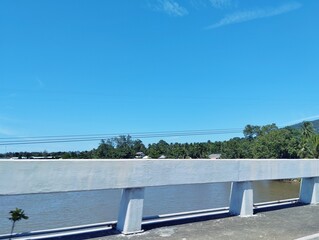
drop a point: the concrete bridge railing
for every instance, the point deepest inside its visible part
(47, 176)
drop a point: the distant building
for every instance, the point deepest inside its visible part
(214, 156)
(18, 158)
(48, 157)
(139, 155)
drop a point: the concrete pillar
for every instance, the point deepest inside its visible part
(241, 199)
(309, 190)
(131, 211)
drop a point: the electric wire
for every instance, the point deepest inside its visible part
(96, 137)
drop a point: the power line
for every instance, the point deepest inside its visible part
(95, 137)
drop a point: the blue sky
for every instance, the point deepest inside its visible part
(125, 66)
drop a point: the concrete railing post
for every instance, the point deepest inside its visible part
(131, 211)
(241, 199)
(309, 190)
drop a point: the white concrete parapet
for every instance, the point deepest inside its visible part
(44, 176)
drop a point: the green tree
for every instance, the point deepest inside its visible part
(268, 128)
(307, 146)
(280, 143)
(311, 147)
(177, 150)
(15, 216)
(307, 130)
(314, 142)
(124, 146)
(155, 150)
(105, 150)
(251, 131)
(118, 147)
(138, 146)
(237, 148)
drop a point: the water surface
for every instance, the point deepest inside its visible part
(56, 210)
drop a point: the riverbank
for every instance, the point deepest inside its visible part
(289, 223)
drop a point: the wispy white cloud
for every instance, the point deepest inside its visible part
(6, 124)
(6, 131)
(170, 7)
(245, 16)
(218, 4)
(311, 118)
(40, 83)
(197, 4)
(221, 3)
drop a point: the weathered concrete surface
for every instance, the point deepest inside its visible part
(42, 176)
(284, 224)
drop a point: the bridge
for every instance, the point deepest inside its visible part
(133, 176)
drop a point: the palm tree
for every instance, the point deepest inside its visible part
(16, 215)
(314, 141)
(306, 145)
(305, 150)
(307, 130)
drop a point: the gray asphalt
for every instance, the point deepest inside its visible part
(284, 223)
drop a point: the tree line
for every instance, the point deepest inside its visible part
(267, 141)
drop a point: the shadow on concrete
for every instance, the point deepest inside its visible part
(145, 227)
(191, 219)
(279, 207)
(174, 222)
(83, 236)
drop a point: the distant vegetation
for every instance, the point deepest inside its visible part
(314, 123)
(269, 141)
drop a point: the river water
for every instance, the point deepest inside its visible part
(76, 208)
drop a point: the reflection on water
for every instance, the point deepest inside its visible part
(76, 208)
(161, 200)
(275, 190)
